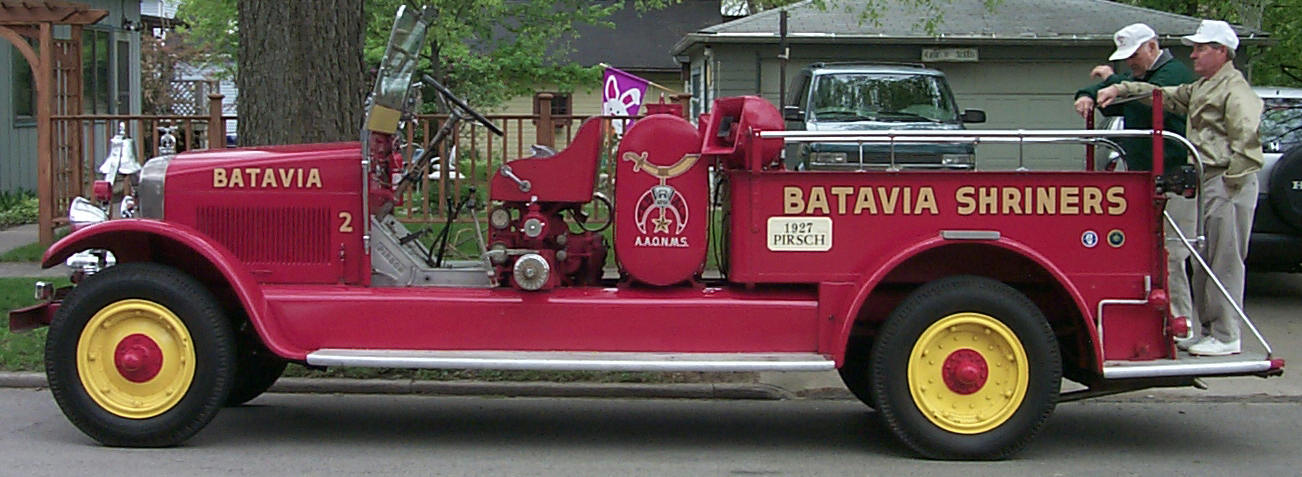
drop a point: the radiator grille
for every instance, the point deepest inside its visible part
(270, 235)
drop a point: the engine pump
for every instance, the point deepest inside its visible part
(532, 246)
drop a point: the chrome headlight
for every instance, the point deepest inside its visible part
(149, 194)
(82, 213)
(957, 160)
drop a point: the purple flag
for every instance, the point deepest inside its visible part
(621, 95)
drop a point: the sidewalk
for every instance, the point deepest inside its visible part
(18, 236)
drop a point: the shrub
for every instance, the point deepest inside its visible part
(17, 208)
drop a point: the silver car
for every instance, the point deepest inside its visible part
(1276, 243)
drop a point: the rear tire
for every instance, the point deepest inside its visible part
(966, 368)
(855, 370)
(140, 355)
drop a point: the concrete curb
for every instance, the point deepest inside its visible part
(743, 391)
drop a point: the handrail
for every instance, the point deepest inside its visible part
(985, 136)
(1219, 286)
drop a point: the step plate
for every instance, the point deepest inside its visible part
(1189, 365)
(571, 361)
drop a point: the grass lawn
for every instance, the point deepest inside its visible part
(20, 351)
(27, 253)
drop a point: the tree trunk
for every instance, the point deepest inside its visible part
(300, 75)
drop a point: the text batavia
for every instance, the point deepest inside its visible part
(266, 178)
(968, 200)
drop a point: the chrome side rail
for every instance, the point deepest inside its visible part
(571, 360)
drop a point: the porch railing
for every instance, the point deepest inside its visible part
(473, 153)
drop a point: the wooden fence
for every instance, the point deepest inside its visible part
(473, 152)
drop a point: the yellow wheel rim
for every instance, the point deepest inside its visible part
(968, 373)
(135, 359)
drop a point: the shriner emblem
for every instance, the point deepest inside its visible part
(661, 205)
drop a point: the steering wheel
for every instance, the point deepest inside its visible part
(458, 102)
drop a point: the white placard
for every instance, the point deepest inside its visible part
(800, 234)
(949, 54)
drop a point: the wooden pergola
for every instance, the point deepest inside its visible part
(20, 19)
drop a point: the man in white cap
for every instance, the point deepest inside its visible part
(1137, 46)
(1224, 114)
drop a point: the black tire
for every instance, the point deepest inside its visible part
(1006, 405)
(855, 370)
(174, 313)
(256, 369)
(1284, 195)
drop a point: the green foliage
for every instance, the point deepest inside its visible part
(1276, 65)
(485, 50)
(18, 208)
(211, 27)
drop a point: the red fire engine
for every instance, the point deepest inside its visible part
(953, 303)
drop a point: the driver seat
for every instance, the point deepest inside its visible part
(568, 176)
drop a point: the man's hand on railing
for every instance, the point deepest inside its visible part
(1107, 95)
(1084, 106)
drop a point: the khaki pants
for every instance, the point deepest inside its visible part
(1228, 213)
(1185, 214)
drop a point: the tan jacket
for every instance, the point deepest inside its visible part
(1224, 114)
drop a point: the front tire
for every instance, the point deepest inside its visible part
(966, 368)
(256, 369)
(140, 355)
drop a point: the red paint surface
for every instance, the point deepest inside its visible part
(282, 231)
(866, 245)
(965, 371)
(676, 319)
(138, 358)
(661, 241)
(566, 177)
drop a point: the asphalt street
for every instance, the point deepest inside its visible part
(324, 434)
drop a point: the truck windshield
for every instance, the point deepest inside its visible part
(1281, 124)
(882, 97)
(401, 58)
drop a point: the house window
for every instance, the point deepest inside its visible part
(698, 105)
(24, 93)
(123, 86)
(562, 103)
(95, 72)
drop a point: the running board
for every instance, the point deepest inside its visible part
(1236, 365)
(571, 360)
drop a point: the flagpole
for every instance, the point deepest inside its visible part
(649, 82)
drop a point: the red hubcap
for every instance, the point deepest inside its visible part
(965, 371)
(138, 358)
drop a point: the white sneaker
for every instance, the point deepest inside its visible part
(1214, 347)
(1184, 345)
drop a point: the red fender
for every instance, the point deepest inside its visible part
(841, 333)
(132, 240)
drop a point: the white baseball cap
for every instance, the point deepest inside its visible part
(1213, 31)
(1129, 39)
